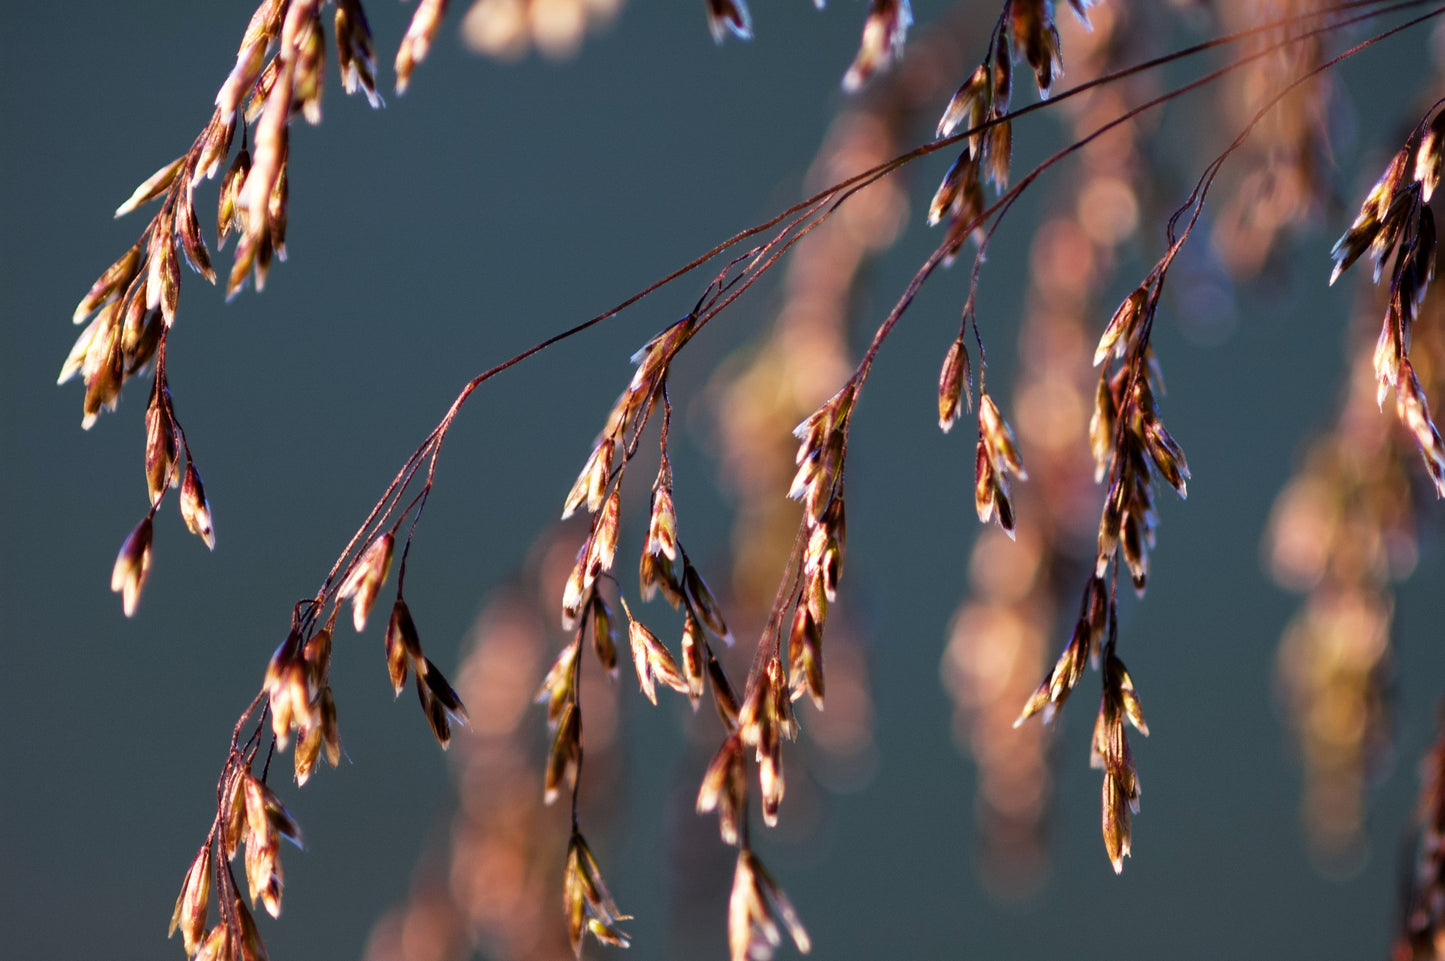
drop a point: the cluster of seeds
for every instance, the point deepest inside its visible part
(250, 814)
(297, 696)
(1130, 444)
(589, 904)
(1396, 228)
(980, 106)
(298, 690)
(278, 75)
(763, 718)
(1131, 449)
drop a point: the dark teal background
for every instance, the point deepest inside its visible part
(492, 206)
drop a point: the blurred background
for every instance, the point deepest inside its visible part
(501, 200)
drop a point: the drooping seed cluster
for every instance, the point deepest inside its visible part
(1109, 751)
(1026, 30)
(1129, 442)
(1397, 229)
(819, 485)
(1017, 590)
(763, 718)
(298, 689)
(487, 883)
(997, 457)
(278, 75)
(1132, 449)
(439, 703)
(250, 814)
(790, 374)
(589, 904)
(755, 907)
(296, 696)
(1131, 446)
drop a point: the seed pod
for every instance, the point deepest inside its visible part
(191, 907)
(1115, 339)
(367, 575)
(724, 788)
(723, 696)
(604, 635)
(694, 659)
(1003, 447)
(153, 186)
(966, 108)
(248, 66)
(310, 52)
(589, 905)
(101, 327)
(604, 536)
(557, 687)
(330, 732)
(998, 153)
(1001, 59)
(233, 825)
(109, 285)
(1050, 695)
(276, 212)
(403, 645)
(217, 946)
(217, 145)
(443, 696)
(653, 662)
(805, 642)
(945, 198)
(591, 484)
(956, 375)
(417, 42)
(132, 565)
(355, 56)
(662, 525)
(439, 702)
(702, 602)
(983, 472)
(754, 909)
(163, 279)
(578, 587)
(1167, 455)
(249, 946)
(562, 758)
(228, 216)
(770, 781)
(308, 749)
(288, 689)
(160, 450)
(189, 229)
(195, 509)
(241, 265)
(655, 572)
